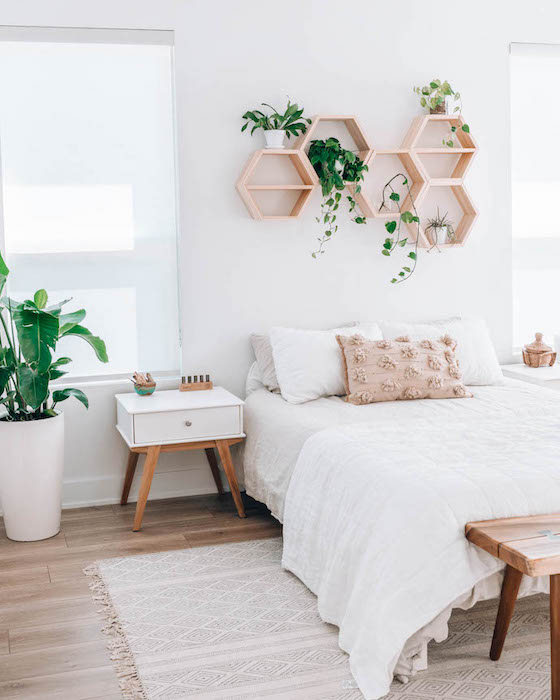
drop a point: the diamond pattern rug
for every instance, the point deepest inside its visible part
(228, 623)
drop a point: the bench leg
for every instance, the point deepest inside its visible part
(213, 462)
(510, 588)
(147, 476)
(555, 636)
(225, 456)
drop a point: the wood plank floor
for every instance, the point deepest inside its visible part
(51, 645)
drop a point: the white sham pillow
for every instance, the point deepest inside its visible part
(263, 354)
(309, 364)
(475, 351)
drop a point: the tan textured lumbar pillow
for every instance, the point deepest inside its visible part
(389, 370)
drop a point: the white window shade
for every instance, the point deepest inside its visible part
(88, 184)
(535, 133)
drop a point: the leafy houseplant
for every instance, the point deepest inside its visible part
(436, 97)
(32, 431)
(276, 124)
(440, 229)
(335, 166)
(394, 228)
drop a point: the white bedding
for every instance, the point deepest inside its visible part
(375, 508)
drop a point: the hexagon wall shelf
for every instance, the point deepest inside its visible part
(416, 174)
(353, 126)
(464, 227)
(302, 167)
(410, 155)
(465, 152)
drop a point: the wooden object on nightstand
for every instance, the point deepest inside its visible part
(528, 545)
(173, 421)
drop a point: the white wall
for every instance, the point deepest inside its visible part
(239, 275)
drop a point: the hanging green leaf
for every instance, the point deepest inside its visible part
(96, 343)
(63, 394)
(390, 226)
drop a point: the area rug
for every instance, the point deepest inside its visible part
(228, 623)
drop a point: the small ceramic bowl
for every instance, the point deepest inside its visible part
(145, 390)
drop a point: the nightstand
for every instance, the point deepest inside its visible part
(173, 421)
(543, 376)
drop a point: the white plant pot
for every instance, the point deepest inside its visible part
(274, 138)
(31, 466)
(439, 235)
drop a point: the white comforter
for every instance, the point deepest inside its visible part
(375, 513)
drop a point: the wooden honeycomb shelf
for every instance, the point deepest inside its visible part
(301, 166)
(410, 155)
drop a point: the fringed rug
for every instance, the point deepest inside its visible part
(228, 623)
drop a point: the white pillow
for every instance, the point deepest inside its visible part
(263, 354)
(475, 351)
(254, 380)
(309, 364)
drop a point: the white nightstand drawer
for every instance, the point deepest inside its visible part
(190, 424)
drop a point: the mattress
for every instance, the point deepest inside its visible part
(277, 430)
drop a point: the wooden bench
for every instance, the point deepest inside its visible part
(531, 546)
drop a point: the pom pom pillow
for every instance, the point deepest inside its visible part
(401, 369)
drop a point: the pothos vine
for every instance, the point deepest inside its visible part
(336, 167)
(393, 228)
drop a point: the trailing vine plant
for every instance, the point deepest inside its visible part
(335, 166)
(393, 228)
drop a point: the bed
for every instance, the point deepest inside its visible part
(374, 500)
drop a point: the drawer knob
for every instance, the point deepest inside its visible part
(188, 423)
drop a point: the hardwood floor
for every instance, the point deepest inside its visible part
(51, 644)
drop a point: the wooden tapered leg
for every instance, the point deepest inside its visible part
(213, 462)
(129, 476)
(225, 456)
(555, 636)
(510, 588)
(147, 476)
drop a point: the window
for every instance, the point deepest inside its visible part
(535, 106)
(88, 187)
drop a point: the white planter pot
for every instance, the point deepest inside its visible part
(31, 466)
(439, 235)
(274, 138)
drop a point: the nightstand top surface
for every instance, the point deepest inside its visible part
(537, 375)
(175, 400)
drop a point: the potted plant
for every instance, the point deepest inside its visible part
(32, 426)
(277, 125)
(335, 166)
(440, 230)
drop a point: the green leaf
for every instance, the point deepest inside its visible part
(453, 129)
(395, 196)
(434, 85)
(390, 226)
(466, 128)
(4, 272)
(61, 361)
(63, 394)
(415, 219)
(5, 375)
(41, 297)
(56, 374)
(388, 244)
(403, 242)
(423, 101)
(37, 331)
(407, 217)
(49, 413)
(393, 281)
(68, 321)
(385, 252)
(96, 343)
(407, 269)
(401, 274)
(33, 386)
(412, 255)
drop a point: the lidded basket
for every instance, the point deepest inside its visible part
(538, 353)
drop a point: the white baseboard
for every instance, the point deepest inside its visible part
(106, 490)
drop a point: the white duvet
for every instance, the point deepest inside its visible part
(374, 511)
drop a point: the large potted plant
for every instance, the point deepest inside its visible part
(31, 424)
